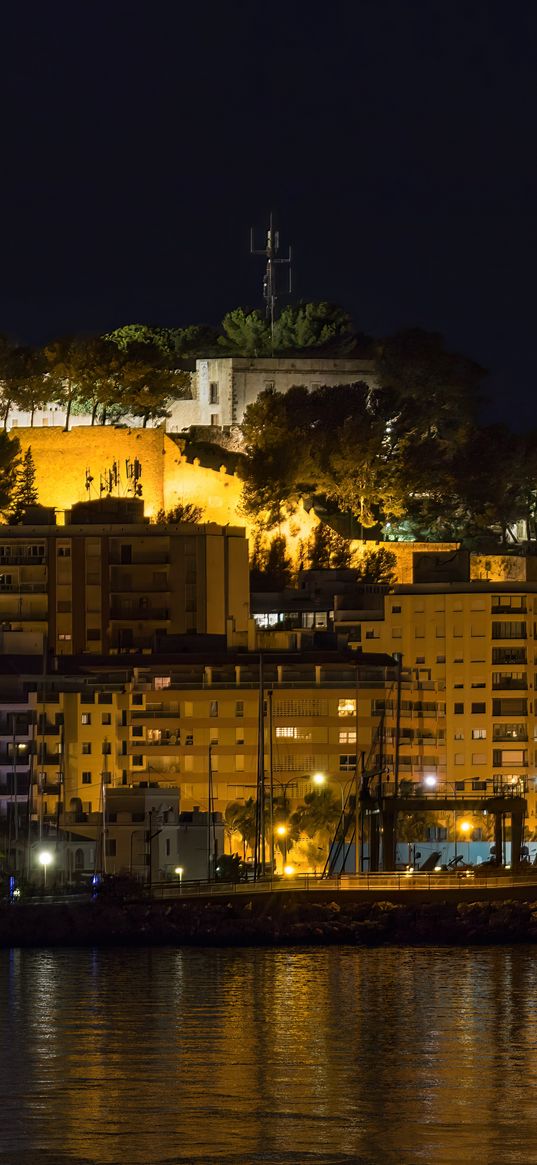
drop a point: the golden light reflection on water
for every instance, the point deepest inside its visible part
(325, 1056)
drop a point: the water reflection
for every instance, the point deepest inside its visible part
(322, 1056)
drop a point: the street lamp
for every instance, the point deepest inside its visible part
(282, 831)
(320, 779)
(466, 828)
(45, 859)
(179, 872)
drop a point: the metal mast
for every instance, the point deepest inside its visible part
(271, 283)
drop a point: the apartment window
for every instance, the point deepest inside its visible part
(479, 709)
(507, 707)
(286, 732)
(239, 709)
(479, 734)
(459, 758)
(162, 682)
(137, 761)
(458, 735)
(93, 634)
(396, 610)
(239, 736)
(347, 763)
(239, 762)
(64, 635)
(440, 659)
(504, 757)
(420, 659)
(86, 748)
(214, 398)
(105, 698)
(213, 736)
(458, 709)
(189, 740)
(479, 758)
(511, 630)
(110, 846)
(347, 736)
(346, 707)
(64, 551)
(215, 420)
(397, 633)
(106, 717)
(478, 684)
(372, 634)
(86, 778)
(106, 748)
(64, 607)
(213, 708)
(168, 847)
(159, 578)
(85, 718)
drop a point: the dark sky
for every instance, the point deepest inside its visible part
(396, 139)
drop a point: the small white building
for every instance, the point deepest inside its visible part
(223, 387)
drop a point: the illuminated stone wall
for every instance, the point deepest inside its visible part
(61, 460)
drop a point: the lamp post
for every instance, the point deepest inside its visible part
(179, 872)
(282, 831)
(45, 859)
(320, 779)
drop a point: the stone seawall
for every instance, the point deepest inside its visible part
(267, 920)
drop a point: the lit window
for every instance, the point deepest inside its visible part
(347, 736)
(346, 707)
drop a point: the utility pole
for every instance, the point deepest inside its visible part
(270, 278)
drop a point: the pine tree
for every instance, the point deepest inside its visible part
(25, 490)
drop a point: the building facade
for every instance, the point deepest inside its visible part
(110, 582)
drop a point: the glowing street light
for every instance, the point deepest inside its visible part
(179, 872)
(282, 831)
(45, 858)
(320, 779)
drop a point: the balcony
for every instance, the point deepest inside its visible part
(514, 630)
(136, 616)
(23, 588)
(505, 609)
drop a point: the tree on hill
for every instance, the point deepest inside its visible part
(182, 512)
(197, 340)
(326, 549)
(24, 493)
(66, 367)
(162, 338)
(9, 466)
(246, 333)
(312, 325)
(30, 391)
(377, 566)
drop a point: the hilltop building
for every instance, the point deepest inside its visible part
(221, 389)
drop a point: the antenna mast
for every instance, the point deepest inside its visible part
(270, 278)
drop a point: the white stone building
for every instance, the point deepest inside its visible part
(223, 387)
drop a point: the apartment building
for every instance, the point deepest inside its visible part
(187, 728)
(110, 582)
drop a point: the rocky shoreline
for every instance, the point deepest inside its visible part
(270, 920)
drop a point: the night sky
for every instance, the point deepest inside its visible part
(396, 140)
